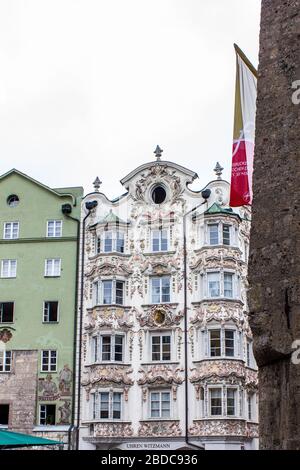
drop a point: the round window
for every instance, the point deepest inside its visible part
(159, 195)
(13, 200)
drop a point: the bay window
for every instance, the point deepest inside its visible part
(108, 292)
(110, 241)
(220, 233)
(222, 401)
(107, 405)
(222, 342)
(215, 401)
(222, 284)
(107, 347)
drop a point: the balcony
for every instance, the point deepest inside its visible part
(224, 427)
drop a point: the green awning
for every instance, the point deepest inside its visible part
(9, 439)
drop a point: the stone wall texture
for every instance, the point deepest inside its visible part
(274, 268)
(18, 389)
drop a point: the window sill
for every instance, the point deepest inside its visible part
(172, 304)
(48, 371)
(3, 426)
(5, 372)
(218, 299)
(109, 305)
(8, 277)
(163, 252)
(154, 363)
(147, 420)
(221, 417)
(109, 253)
(50, 322)
(219, 358)
(108, 363)
(105, 420)
(50, 428)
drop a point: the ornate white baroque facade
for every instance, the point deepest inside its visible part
(133, 336)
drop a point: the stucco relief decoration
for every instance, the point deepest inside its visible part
(220, 313)
(157, 315)
(112, 266)
(112, 430)
(107, 375)
(111, 317)
(223, 428)
(5, 335)
(160, 429)
(160, 374)
(215, 374)
(157, 174)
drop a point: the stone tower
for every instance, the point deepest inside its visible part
(274, 270)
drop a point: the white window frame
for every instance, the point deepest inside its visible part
(99, 292)
(96, 352)
(44, 314)
(160, 289)
(40, 414)
(55, 222)
(114, 239)
(12, 271)
(209, 390)
(52, 273)
(222, 330)
(6, 360)
(233, 233)
(160, 392)
(96, 404)
(204, 288)
(235, 398)
(10, 227)
(160, 232)
(49, 351)
(224, 401)
(160, 335)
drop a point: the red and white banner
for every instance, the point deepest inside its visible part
(244, 131)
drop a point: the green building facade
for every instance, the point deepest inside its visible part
(38, 272)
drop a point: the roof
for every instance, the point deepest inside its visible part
(110, 218)
(57, 192)
(9, 439)
(216, 209)
(140, 168)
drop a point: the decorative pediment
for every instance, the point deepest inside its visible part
(112, 317)
(111, 267)
(220, 313)
(232, 378)
(107, 375)
(161, 374)
(159, 316)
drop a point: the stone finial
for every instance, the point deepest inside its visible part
(158, 151)
(97, 183)
(218, 170)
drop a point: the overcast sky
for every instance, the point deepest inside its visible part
(90, 87)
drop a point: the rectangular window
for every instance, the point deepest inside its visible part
(98, 245)
(49, 361)
(249, 407)
(52, 267)
(47, 415)
(5, 361)
(161, 347)
(95, 349)
(226, 234)
(213, 231)
(11, 230)
(215, 401)
(6, 312)
(54, 228)
(50, 311)
(8, 268)
(229, 343)
(159, 240)
(107, 292)
(215, 343)
(112, 292)
(248, 352)
(231, 394)
(160, 289)
(112, 347)
(160, 404)
(107, 405)
(228, 285)
(4, 415)
(213, 281)
(114, 241)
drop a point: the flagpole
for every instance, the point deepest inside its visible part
(245, 59)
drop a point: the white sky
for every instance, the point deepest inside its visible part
(90, 87)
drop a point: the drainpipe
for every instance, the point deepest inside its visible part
(66, 210)
(90, 205)
(205, 194)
